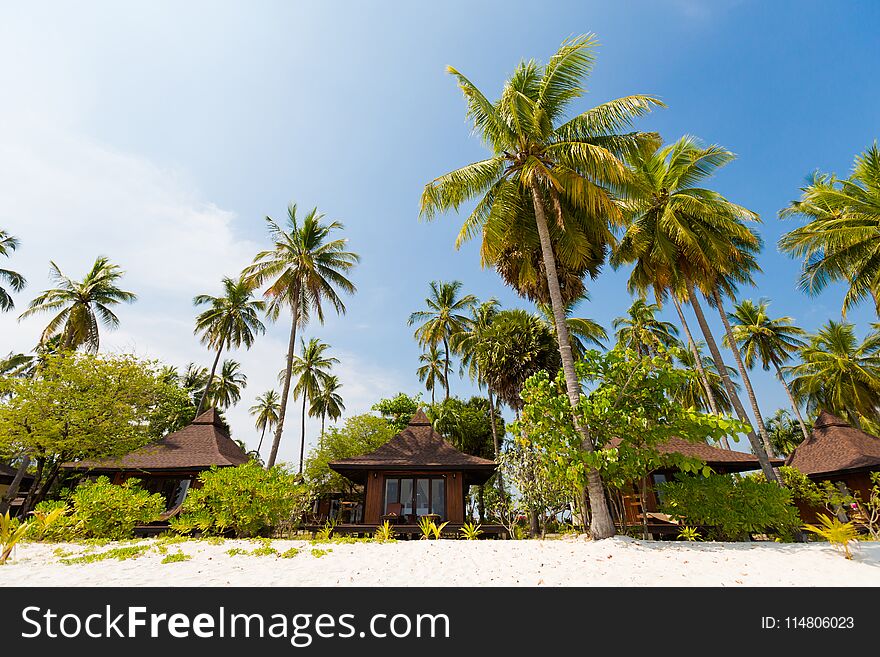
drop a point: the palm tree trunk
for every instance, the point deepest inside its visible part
(302, 442)
(209, 382)
(794, 405)
(495, 442)
(285, 390)
(12, 492)
(757, 447)
(601, 525)
(744, 373)
(262, 435)
(446, 367)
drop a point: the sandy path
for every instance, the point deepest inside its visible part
(573, 562)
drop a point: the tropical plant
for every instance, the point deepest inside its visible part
(232, 320)
(689, 534)
(839, 534)
(384, 533)
(79, 306)
(11, 532)
(772, 341)
(682, 237)
(785, 432)
(432, 369)
(106, 510)
(53, 521)
(582, 331)
(542, 164)
(8, 244)
(265, 413)
(225, 388)
(705, 391)
(471, 531)
(641, 331)
(841, 240)
(328, 402)
(304, 270)
(398, 410)
(443, 320)
(312, 370)
(841, 375)
(426, 526)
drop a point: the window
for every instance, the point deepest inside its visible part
(416, 496)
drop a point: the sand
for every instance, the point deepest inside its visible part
(564, 562)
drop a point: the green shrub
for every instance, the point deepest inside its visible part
(246, 500)
(53, 522)
(730, 508)
(108, 511)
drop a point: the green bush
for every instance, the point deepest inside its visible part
(53, 522)
(105, 510)
(246, 500)
(730, 507)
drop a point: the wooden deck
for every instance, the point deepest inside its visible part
(407, 531)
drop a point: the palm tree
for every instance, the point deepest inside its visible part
(312, 370)
(16, 281)
(784, 432)
(80, 305)
(841, 241)
(226, 387)
(432, 369)
(443, 320)
(642, 332)
(839, 374)
(231, 320)
(303, 270)
(704, 390)
(582, 331)
(682, 236)
(265, 413)
(772, 341)
(541, 163)
(328, 402)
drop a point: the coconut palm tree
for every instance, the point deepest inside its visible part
(542, 164)
(784, 432)
(642, 332)
(79, 306)
(265, 413)
(432, 369)
(682, 237)
(8, 244)
(839, 374)
(443, 320)
(772, 341)
(303, 271)
(328, 402)
(226, 387)
(582, 331)
(694, 393)
(312, 370)
(841, 240)
(231, 320)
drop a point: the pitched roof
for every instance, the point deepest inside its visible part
(199, 445)
(834, 446)
(719, 459)
(418, 447)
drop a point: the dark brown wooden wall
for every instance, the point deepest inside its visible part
(375, 490)
(454, 498)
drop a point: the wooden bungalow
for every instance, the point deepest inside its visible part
(415, 474)
(722, 461)
(7, 474)
(170, 466)
(836, 452)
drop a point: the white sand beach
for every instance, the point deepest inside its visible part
(565, 562)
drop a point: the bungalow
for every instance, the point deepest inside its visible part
(7, 474)
(837, 452)
(416, 473)
(171, 465)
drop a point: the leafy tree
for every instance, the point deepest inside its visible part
(841, 375)
(541, 164)
(841, 240)
(304, 270)
(641, 331)
(358, 435)
(328, 402)
(467, 424)
(432, 370)
(312, 370)
(397, 411)
(232, 320)
(111, 406)
(105, 510)
(8, 244)
(443, 320)
(265, 413)
(772, 341)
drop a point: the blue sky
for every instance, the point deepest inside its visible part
(161, 133)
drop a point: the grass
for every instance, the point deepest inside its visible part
(319, 553)
(289, 554)
(177, 556)
(120, 553)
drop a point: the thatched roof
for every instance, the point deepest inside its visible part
(835, 446)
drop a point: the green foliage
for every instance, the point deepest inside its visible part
(234, 552)
(108, 511)
(175, 557)
(689, 534)
(52, 521)
(802, 489)
(731, 508)
(265, 549)
(358, 435)
(120, 553)
(467, 425)
(326, 532)
(246, 500)
(317, 553)
(430, 529)
(289, 553)
(840, 534)
(11, 532)
(471, 531)
(397, 411)
(384, 533)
